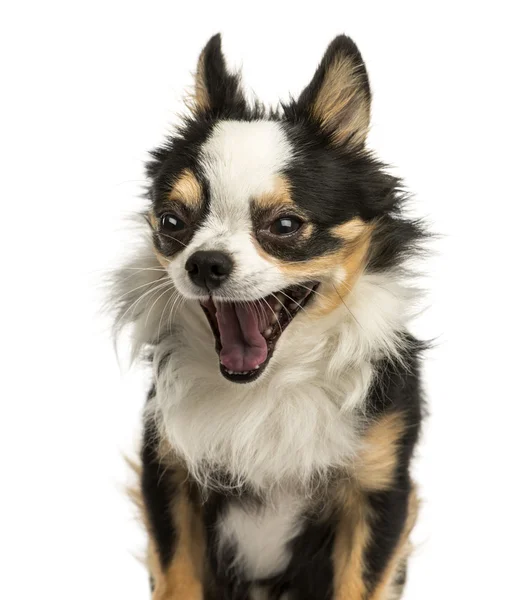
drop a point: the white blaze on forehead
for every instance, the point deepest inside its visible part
(240, 160)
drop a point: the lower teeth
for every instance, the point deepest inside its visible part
(240, 372)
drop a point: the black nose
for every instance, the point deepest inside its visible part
(209, 269)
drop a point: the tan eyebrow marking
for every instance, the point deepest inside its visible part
(187, 189)
(279, 196)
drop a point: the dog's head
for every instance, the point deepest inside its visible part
(261, 216)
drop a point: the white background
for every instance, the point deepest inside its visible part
(87, 89)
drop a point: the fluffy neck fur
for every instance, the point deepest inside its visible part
(301, 419)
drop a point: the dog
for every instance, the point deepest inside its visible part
(271, 294)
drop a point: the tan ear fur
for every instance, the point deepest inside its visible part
(341, 105)
(338, 97)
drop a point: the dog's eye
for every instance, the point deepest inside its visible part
(285, 225)
(171, 222)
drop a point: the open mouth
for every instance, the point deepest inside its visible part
(246, 333)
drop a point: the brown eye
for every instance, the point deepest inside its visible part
(285, 225)
(170, 223)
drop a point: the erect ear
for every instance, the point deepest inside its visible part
(338, 97)
(216, 90)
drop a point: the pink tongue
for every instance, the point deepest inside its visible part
(243, 346)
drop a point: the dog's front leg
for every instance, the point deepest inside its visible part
(371, 546)
(181, 577)
(176, 549)
(377, 511)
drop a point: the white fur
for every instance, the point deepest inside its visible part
(240, 160)
(280, 432)
(260, 534)
(301, 417)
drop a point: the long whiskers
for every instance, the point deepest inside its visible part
(134, 304)
(170, 288)
(178, 302)
(339, 296)
(292, 301)
(272, 309)
(345, 305)
(171, 237)
(159, 327)
(155, 281)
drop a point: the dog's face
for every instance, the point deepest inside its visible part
(260, 217)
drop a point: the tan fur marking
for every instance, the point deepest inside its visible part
(133, 490)
(341, 105)
(183, 578)
(351, 254)
(187, 189)
(311, 268)
(351, 260)
(201, 101)
(352, 538)
(163, 260)
(377, 461)
(279, 196)
(386, 587)
(153, 219)
(351, 230)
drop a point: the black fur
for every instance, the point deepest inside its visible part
(223, 88)
(397, 389)
(310, 573)
(330, 185)
(227, 578)
(158, 491)
(342, 47)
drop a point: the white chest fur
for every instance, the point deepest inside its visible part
(260, 535)
(300, 419)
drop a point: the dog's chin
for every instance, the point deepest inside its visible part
(247, 332)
